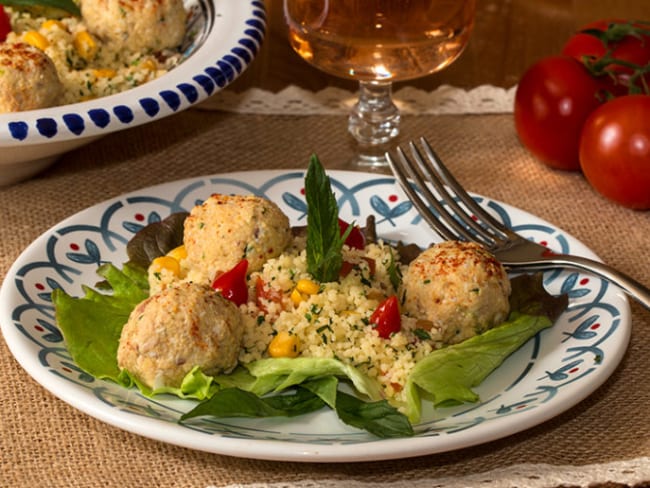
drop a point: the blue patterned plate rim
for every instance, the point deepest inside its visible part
(550, 374)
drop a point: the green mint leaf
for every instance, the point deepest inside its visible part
(378, 418)
(324, 241)
(325, 388)
(233, 402)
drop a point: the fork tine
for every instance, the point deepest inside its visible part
(498, 231)
(456, 216)
(470, 222)
(403, 178)
(425, 173)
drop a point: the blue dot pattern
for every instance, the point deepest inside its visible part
(196, 88)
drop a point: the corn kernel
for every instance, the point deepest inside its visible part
(307, 286)
(149, 64)
(36, 39)
(104, 73)
(178, 253)
(51, 24)
(297, 297)
(284, 345)
(165, 263)
(85, 45)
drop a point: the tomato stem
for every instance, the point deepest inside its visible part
(603, 65)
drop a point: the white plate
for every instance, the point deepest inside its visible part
(548, 375)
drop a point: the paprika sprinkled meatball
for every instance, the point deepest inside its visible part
(225, 229)
(458, 288)
(136, 24)
(180, 328)
(28, 79)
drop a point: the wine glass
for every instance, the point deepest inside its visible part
(377, 42)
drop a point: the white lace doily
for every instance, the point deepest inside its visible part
(331, 101)
(529, 475)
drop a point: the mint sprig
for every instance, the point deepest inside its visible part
(324, 239)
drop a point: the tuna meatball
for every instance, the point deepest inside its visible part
(459, 287)
(136, 25)
(28, 78)
(225, 229)
(182, 327)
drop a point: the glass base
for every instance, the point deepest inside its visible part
(371, 158)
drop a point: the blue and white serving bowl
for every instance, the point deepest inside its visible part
(224, 36)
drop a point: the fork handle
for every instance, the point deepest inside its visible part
(629, 285)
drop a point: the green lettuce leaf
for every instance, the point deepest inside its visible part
(448, 375)
(91, 325)
(277, 374)
(378, 418)
(47, 8)
(195, 385)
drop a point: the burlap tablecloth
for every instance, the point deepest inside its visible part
(45, 442)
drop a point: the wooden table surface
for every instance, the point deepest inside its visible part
(508, 36)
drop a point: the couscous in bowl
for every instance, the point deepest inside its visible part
(222, 38)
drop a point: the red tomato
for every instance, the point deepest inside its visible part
(625, 45)
(232, 284)
(386, 317)
(5, 25)
(552, 101)
(615, 150)
(355, 239)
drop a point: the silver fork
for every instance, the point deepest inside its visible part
(468, 221)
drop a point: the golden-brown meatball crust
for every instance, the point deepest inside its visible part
(180, 328)
(459, 287)
(28, 79)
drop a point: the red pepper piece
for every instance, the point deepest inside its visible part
(232, 284)
(386, 318)
(355, 239)
(5, 25)
(264, 293)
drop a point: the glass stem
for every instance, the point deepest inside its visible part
(375, 118)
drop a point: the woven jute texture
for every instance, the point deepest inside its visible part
(45, 442)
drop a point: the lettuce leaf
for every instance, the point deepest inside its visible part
(91, 325)
(53, 9)
(378, 417)
(277, 374)
(449, 374)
